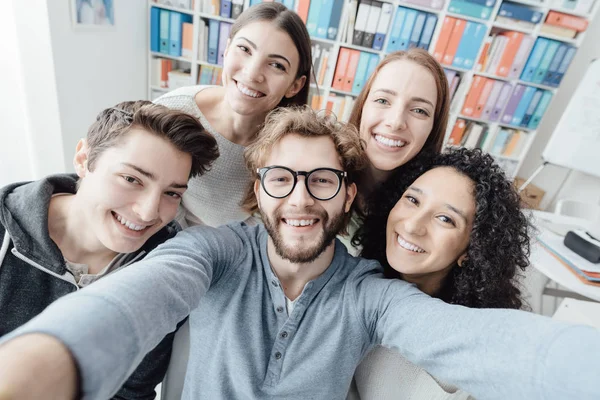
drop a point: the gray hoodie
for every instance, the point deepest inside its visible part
(33, 273)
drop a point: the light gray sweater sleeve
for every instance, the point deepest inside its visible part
(489, 353)
(123, 316)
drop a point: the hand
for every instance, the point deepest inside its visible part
(36, 366)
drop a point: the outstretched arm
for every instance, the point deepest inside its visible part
(489, 353)
(109, 326)
(39, 358)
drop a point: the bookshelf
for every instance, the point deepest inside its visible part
(339, 95)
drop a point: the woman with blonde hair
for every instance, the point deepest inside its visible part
(401, 112)
(402, 115)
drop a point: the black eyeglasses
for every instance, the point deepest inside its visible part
(321, 183)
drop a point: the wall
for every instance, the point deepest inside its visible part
(57, 84)
(97, 68)
(560, 182)
(58, 78)
(29, 125)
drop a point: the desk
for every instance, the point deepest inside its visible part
(579, 312)
(547, 267)
(544, 262)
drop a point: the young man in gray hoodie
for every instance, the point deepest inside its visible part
(282, 311)
(66, 231)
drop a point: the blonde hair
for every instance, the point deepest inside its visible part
(305, 122)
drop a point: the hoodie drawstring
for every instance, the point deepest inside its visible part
(4, 248)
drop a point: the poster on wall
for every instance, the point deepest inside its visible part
(93, 13)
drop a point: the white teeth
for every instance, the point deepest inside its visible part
(389, 142)
(409, 246)
(300, 222)
(129, 225)
(248, 92)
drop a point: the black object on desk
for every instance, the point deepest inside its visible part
(583, 244)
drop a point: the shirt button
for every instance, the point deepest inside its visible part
(274, 283)
(278, 355)
(279, 309)
(284, 334)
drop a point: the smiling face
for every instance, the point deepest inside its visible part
(133, 191)
(428, 229)
(259, 68)
(301, 227)
(398, 114)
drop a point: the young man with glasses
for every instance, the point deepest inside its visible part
(283, 311)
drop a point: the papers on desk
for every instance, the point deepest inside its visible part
(586, 271)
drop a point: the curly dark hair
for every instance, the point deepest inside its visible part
(498, 249)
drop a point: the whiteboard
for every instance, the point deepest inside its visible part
(575, 142)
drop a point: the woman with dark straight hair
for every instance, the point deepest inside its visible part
(267, 64)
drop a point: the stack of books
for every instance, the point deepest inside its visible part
(459, 42)
(481, 9)
(486, 98)
(519, 15)
(585, 271)
(323, 19)
(353, 68)
(508, 142)
(563, 25)
(469, 134)
(548, 62)
(526, 106)
(340, 105)
(504, 54)
(454, 78)
(168, 29)
(369, 23)
(577, 6)
(212, 40)
(411, 28)
(221, 8)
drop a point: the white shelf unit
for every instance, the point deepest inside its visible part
(194, 63)
(325, 89)
(513, 162)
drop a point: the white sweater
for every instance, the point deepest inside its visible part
(214, 198)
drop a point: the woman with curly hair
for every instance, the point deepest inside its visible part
(453, 226)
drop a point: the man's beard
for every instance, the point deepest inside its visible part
(304, 255)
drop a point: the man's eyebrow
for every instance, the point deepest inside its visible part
(279, 56)
(151, 176)
(394, 93)
(178, 185)
(147, 174)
